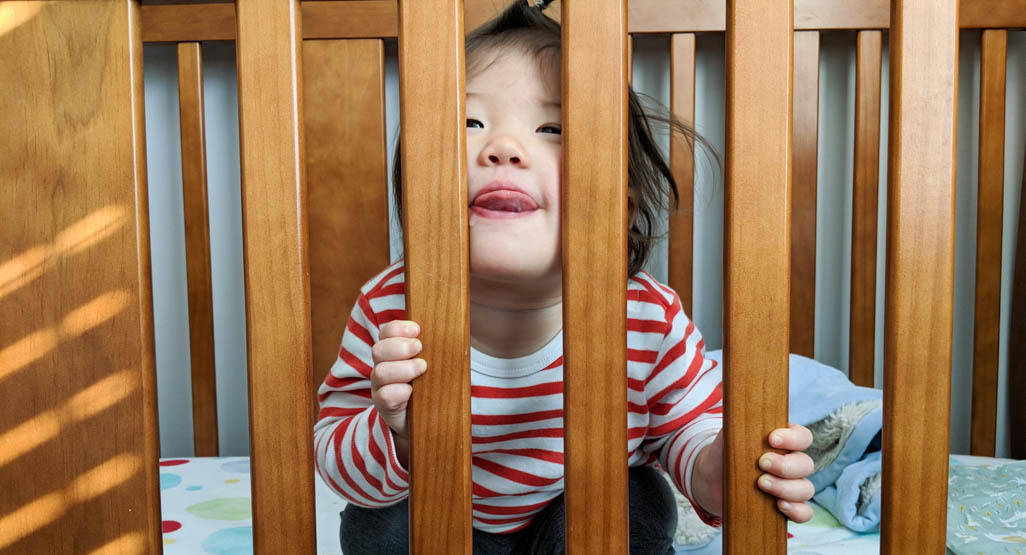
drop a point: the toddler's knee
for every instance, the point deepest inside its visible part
(653, 511)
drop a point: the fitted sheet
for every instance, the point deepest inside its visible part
(205, 505)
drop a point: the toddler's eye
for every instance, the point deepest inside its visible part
(553, 129)
(474, 124)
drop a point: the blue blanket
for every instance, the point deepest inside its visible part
(822, 397)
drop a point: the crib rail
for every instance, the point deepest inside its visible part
(377, 18)
(277, 285)
(920, 274)
(988, 241)
(757, 212)
(680, 250)
(78, 423)
(865, 195)
(197, 248)
(595, 274)
(435, 203)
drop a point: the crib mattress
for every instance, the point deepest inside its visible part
(205, 504)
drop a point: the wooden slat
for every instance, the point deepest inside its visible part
(595, 275)
(185, 23)
(78, 427)
(861, 350)
(682, 163)
(365, 19)
(332, 19)
(630, 59)
(197, 249)
(346, 168)
(920, 269)
(1017, 329)
(988, 241)
(756, 245)
(804, 137)
(431, 89)
(277, 286)
(974, 14)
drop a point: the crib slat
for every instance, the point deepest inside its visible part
(682, 163)
(1017, 328)
(988, 241)
(804, 137)
(861, 350)
(920, 268)
(595, 275)
(630, 59)
(431, 88)
(756, 243)
(78, 424)
(197, 249)
(277, 286)
(346, 169)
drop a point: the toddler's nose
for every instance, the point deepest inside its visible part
(503, 150)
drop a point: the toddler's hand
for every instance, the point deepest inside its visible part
(786, 475)
(394, 369)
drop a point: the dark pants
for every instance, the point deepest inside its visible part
(653, 521)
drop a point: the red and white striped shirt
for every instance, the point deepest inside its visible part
(674, 409)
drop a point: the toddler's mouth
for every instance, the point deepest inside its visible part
(503, 203)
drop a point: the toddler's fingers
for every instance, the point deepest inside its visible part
(392, 399)
(795, 491)
(791, 465)
(798, 512)
(395, 348)
(399, 328)
(398, 371)
(793, 438)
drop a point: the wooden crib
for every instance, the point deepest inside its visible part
(77, 367)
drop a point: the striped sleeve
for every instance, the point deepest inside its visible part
(685, 400)
(355, 452)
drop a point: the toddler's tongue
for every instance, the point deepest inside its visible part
(505, 201)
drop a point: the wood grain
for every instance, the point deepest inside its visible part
(197, 249)
(77, 367)
(431, 89)
(347, 182)
(990, 212)
(595, 275)
(757, 263)
(920, 270)
(277, 283)
(1017, 328)
(865, 197)
(804, 140)
(973, 14)
(188, 23)
(682, 164)
(329, 19)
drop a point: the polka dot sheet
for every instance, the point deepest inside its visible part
(206, 508)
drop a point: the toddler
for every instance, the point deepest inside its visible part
(674, 418)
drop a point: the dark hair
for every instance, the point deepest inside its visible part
(650, 182)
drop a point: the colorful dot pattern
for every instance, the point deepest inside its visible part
(206, 508)
(205, 505)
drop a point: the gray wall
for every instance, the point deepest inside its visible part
(651, 76)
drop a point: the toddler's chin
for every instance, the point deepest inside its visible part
(517, 271)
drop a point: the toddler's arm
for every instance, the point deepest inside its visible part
(357, 453)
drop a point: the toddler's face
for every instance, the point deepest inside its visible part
(514, 160)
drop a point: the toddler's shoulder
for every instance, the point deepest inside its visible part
(386, 281)
(645, 293)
